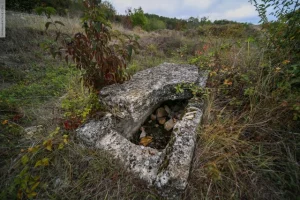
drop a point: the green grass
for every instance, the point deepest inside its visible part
(38, 85)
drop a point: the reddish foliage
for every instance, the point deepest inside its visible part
(101, 54)
(72, 124)
(17, 117)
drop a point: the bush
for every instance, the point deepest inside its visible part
(29, 5)
(101, 61)
(283, 34)
(230, 30)
(138, 18)
(108, 10)
(253, 91)
(22, 5)
(155, 24)
(283, 42)
(60, 6)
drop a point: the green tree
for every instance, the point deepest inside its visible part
(224, 22)
(155, 24)
(204, 20)
(59, 5)
(193, 22)
(22, 5)
(108, 10)
(138, 17)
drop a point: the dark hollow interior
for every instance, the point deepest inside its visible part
(160, 136)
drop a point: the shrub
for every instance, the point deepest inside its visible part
(138, 18)
(283, 41)
(283, 34)
(108, 10)
(29, 5)
(22, 5)
(102, 61)
(224, 22)
(60, 6)
(155, 24)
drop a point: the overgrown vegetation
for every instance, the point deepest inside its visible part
(248, 146)
(101, 55)
(250, 138)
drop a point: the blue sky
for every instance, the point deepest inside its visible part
(237, 10)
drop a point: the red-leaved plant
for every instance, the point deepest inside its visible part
(102, 54)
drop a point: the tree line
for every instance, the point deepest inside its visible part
(133, 17)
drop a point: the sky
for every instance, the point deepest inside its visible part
(236, 10)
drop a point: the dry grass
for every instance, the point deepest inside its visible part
(246, 148)
(243, 152)
(239, 159)
(76, 172)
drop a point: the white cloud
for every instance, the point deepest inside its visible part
(199, 4)
(149, 6)
(244, 11)
(239, 10)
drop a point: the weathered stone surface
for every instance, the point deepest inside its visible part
(143, 134)
(162, 120)
(173, 176)
(161, 112)
(169, 124)
(133, 101)
(168, 110)
(93, 131)
(130, 104)
(31, 131)
(143, 161)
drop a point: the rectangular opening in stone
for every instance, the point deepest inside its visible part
(156, 131)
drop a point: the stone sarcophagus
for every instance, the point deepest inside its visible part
(130, 105)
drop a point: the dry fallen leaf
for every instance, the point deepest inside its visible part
(48, 144)
(145, 141)
(227, 82)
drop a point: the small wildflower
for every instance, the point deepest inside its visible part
(5, 122)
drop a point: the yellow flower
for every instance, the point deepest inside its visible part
(5, 122)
